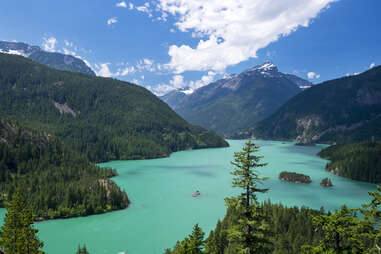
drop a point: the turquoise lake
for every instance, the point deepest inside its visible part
(163, 210)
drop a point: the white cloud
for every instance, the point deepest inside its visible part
(112, 21)
(146, 64)
(104, 70)
(125, 71)
(205, 80)
(232, 31)
(130, 6)
(49, 44)
(356, 73)
(121, 4)
(372, 65)
(68, 43)
(313, 75)
(177, 81)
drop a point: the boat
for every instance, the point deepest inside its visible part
(196, 194)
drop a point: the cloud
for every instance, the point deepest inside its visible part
(313, 75)
(121, 4)
(125, 71)
(104, 70)
(178, 81)
(372, 65)
(232, 31)
(205, 80)
(146, 8)
(112, 21)
(146, 64)
(49, 44)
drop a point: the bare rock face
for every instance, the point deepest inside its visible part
(64, 108)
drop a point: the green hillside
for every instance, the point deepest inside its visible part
(103, 118)
(341, 110)
(56, 181)
(357, 161)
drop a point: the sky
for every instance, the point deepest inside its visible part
(169, 44)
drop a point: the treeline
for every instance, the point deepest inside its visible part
(56, 181)
(102, 118)
(291, 229)
(294, 177)
(357, 161)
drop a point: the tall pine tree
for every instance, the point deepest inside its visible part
(18, 236)
(251, 234)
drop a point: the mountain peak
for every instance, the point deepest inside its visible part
(265, 67)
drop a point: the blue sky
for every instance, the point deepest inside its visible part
(166, 44)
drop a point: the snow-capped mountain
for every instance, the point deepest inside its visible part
(52, 59)
(236, 101)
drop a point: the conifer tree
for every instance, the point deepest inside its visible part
(251, 233)
(342, 232)
(196, 240)
(18, 236)
(82, 250)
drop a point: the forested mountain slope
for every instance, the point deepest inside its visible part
(56, 181)
(102, 118)
(236, 102)
(341, 110)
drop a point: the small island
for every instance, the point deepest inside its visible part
(294, 177)
(326, 182)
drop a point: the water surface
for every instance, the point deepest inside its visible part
(163, 210)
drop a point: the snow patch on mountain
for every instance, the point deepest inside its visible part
(14, 52)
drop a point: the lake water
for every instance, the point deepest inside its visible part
(163, 210)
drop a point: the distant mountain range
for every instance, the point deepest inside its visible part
(237, 102)
(52, 59)
(342, 110)
(101, 118)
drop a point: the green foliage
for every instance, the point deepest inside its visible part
(251, 231)
(82, 250)
(102, 118)
(294, 177)
(57, 181)
(358, 161)
(343, 233)
(291, 229)
(193, 244)
(341, 110)
(18, 236)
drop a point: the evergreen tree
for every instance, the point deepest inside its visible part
(82, 250)
(372, 213)
(343, 233)
(251, 233)
(196, 240)
(18, 236)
